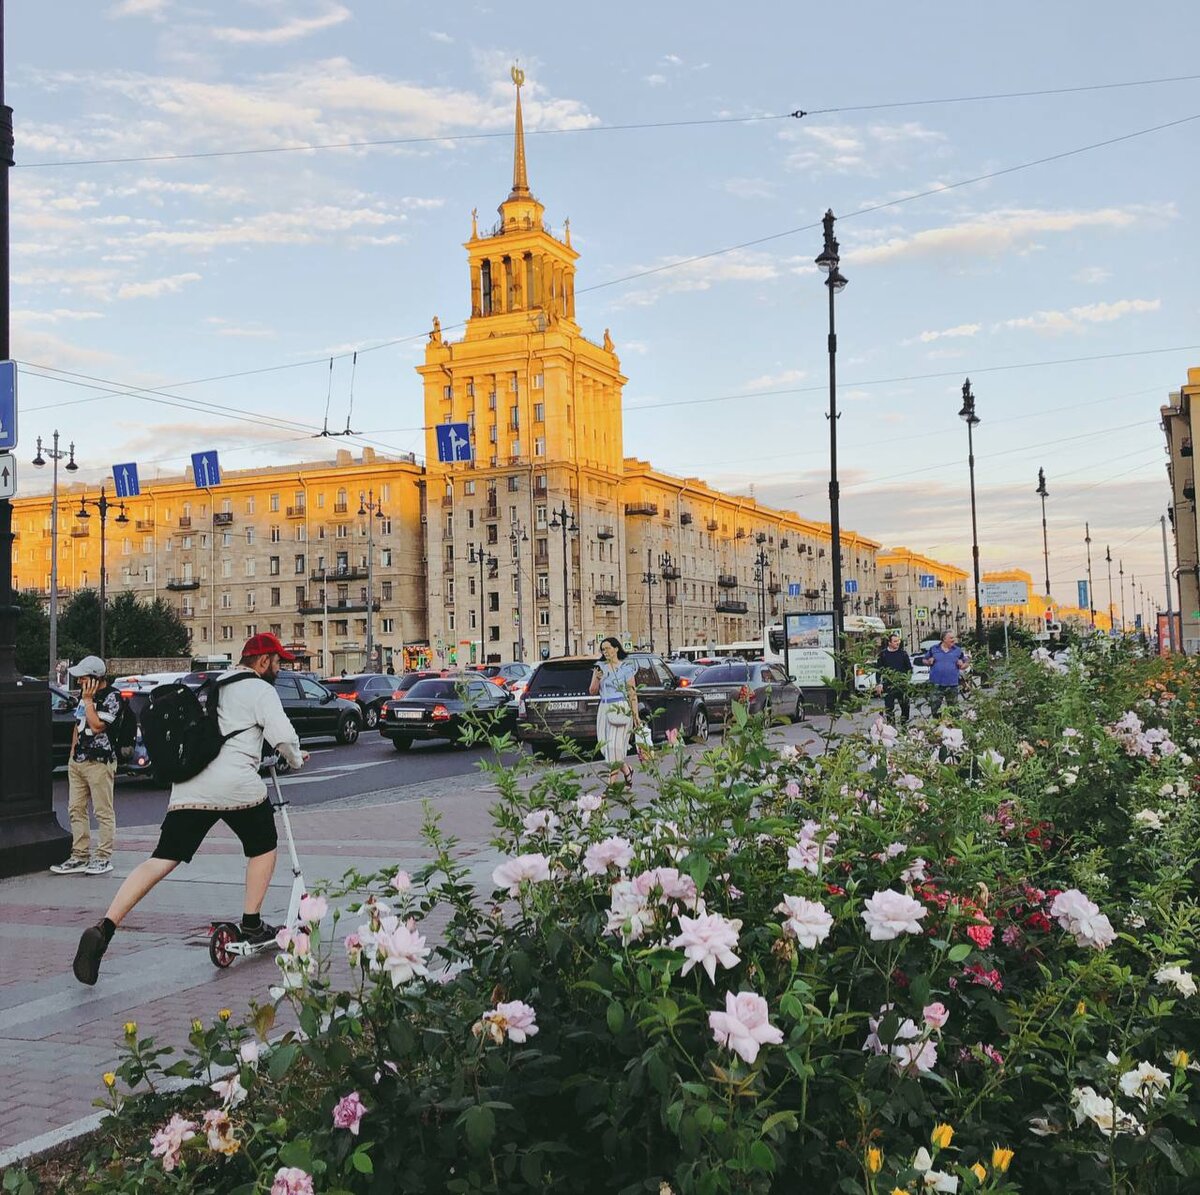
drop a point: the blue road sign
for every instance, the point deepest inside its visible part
(8, 406)
(453, 442)
(206, 469)
(125, 479)
(1082, 586)
(793, 589)
(850, 586)
(927, 580)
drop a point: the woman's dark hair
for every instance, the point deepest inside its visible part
(621, 653)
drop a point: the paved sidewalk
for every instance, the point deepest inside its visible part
(58, 1037)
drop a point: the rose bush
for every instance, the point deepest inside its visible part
(954, 959)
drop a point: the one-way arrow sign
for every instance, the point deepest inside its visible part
(206, 469)
(8, 475)
(125, 479)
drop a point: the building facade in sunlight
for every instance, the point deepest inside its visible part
(1179, 424)
(922, 597)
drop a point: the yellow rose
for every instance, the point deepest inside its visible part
(874, 1160)
(942, 1135)
(110, 1080)
(1001, 1158)
(1181, 1059)
(1081, 1009)
(131, 1028)
(979, 1171)
(197, 1026)
(225, 1014)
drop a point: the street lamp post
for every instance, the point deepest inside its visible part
(649, 580)
(967, 414)
(761, 563)
(1087, 539)
(827, 262)
(56, 454)
(517, 536)
(1043, 494)
(371, 510)
(1108, 561)
(480, 557)
(668, 575)
(564, 520)
(1121, 574)
(103, 506)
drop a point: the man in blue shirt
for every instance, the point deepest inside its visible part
(947, 661)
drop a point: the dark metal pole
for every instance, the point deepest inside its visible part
(1167, 579)
(30, 836)
(968, 414)
(667, 565)
(1121, 572)
(566, 590)
(1108, 561)
(103, 505)
(1087, 539)
(649, 579)
(1041, 490)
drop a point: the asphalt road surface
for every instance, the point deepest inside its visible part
(331, 772)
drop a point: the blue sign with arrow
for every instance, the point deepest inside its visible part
(206, 469)
(8, 406)
(793, 589)
(453, 442)
(850, 586)
(927, 580)
(125, 479)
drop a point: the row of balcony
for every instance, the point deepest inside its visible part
(340, 606)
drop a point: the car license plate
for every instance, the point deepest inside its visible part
(557, 706)
(406, 713)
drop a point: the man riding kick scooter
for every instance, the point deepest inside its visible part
(228, 789)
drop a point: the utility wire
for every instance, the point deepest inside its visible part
(796, 114)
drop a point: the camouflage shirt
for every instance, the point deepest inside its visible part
(96, 746)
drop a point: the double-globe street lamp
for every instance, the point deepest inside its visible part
(670, 572)
(761, 563)
(1043, 493)
(967, 414)
(518, 536)
(827, 262)
(564, 521)
(371, 510)
(484, 559)
(55, 454)
(103, 506)
(649, 580)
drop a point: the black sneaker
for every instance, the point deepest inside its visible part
(70, 867)
(92, 945)
(259, 936)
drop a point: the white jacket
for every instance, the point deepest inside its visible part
(232, 781)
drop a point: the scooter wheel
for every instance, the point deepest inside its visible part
(218, 942)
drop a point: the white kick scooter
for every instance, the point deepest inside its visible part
(225, 942)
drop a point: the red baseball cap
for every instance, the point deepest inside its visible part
(265, 644)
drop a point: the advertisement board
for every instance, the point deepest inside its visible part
(809, 647)
(1164, 632)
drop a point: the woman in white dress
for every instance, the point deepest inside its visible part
(617, 713)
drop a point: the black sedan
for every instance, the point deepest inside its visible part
(369, 689)
(761, 688)
(442, 709)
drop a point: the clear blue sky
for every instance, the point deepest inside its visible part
(157, 274)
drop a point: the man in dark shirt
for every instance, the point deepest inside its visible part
(893, 670)
(92, 771)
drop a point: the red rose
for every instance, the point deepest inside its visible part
(981, 935)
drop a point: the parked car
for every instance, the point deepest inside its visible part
(759, 687)
(369, 689)
(62, 725)
(516, 678)
(441, 708)
(557, 704)
(311, 708)
(684, 671)
(401, 684)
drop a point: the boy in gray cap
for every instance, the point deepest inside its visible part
(91, 771)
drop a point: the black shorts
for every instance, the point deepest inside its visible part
(183, 830)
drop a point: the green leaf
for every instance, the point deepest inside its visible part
(787, 1119)
(761, 1157)
(362, 1162)
(480, 1124)
(960, 952)
(281, 1060)
(1163, 1143)
(615, 1017)
(700, 871)
(297, 1153)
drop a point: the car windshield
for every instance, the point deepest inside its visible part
(566, 676)
(434, 688)
(723, 674)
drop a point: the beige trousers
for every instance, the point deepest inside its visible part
(92, 781)
(613, 739)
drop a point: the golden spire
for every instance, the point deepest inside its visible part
(520, 187)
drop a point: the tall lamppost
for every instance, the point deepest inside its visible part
(669, 574)
(827, 262)
(1121, 574)
(1087, 539)
(761, 563)
(1043, 494)
(649, 580)
(484, 560)
(967, 414)
(56, 454)
(517, 536)
(371, 510)
(1108, 561)
(103, 506)
(564, 521)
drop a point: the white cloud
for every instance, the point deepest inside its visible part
(996, 232)
(949, 333)
(673, 59)
(437, 35)
(291, 30)
(1092, 275)
(750, 188)
(771, 381)
(738, 266)
(154, 288)
(656, 80)
(857, 149)
(1075, 319)
(155, 9)
(39, 347)
(54, 315)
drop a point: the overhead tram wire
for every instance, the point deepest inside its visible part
(758, 118)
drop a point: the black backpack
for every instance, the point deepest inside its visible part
(180, 728)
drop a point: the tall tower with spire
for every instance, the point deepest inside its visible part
(543, 405)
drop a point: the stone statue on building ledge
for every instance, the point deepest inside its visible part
(474, 224)
(435, 335)
(608, 341)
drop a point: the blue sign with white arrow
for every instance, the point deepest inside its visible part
(927, 580)
(8, 406)
(793, 589)
(453, 442)
(850, 586)
(125, 479)
(206, 469)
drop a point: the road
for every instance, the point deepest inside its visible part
(332, 771)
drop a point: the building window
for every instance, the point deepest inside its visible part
(493, 634)
(447, 391)
(512, 383)
(470, 389)
(544, 618)
(385, 557)
(492, 433)
(301, 533)
(385, 526)
(538, 381)
(250, 603)
(276, 535)
(471, 621)
(250, 505)
(273, 566)
(539, 446)
(540, 515)
(299, 563)
(227, 632)
(468, 487)
(389, 626)
(249, 535)
(274, 502)
(226, 601)
(226, 539)
(450, 621)
(386, 594)
(250, 567)
(492, 401)
(539, 412)
(226, 568)
(514, 484)
(514, 418)
(275, 596)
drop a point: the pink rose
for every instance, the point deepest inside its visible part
(348, 1112)
(312, 908)
(402, 881)
(981, 935)
(936, 1015)
(291, 1180)
(743, 1026)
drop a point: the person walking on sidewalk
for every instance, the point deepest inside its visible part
(947, 662)
(230, 789)
(894, 671)
(617, 713)
(92, 771)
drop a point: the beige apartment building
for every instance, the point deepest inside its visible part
(922, 596)
(1179, 426)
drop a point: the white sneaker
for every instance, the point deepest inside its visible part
(99, 867)
(71, 867)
